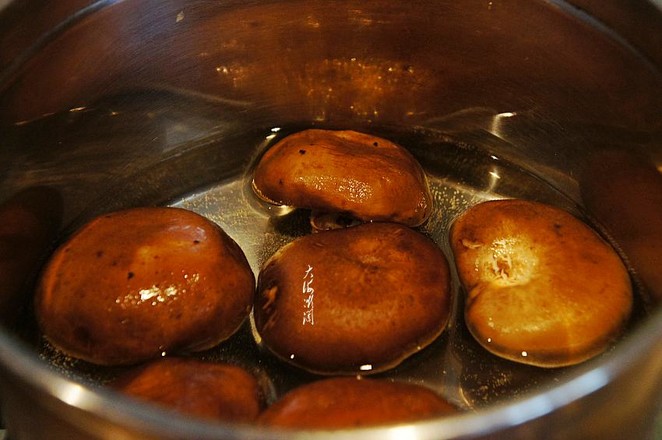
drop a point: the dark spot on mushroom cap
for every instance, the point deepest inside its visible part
(302, 151)
(129, 275)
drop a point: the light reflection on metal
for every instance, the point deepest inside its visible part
(274, 131)
(403, 433)
(496, 127)
(494, 177)
(72, 394)
(280, 210)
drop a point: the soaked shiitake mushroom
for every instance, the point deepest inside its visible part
(542, 287)
(132, 284)
(349, 402)
(208, 390)
(346, 172)
(351, 300)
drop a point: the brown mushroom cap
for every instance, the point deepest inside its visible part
(352, 300)
(351, 403)
(133, 284)
(193, 387)
(542, 287)
(366, 177)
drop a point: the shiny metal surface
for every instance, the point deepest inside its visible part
(120, 103)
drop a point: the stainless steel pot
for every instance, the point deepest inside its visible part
(110, 104)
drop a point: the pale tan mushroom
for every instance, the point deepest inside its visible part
(542, 287)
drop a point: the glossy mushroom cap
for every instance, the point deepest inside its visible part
(347, 172)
